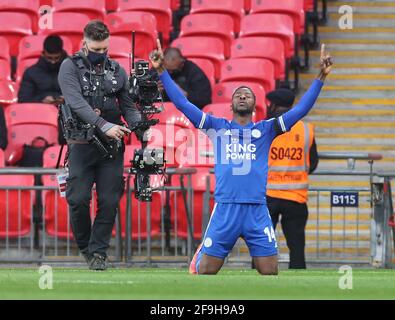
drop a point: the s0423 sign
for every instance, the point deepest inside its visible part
(344, 199)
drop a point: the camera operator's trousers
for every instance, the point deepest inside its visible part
(86, 167)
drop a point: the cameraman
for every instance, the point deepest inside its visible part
(96, 89)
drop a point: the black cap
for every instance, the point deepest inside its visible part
(282, 97)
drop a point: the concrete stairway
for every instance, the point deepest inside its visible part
(356, 110)
(355, 113)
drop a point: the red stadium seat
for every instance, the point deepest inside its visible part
(172, 138)
(95, 9)
(62, 26)
(16, 206)
(26, 121)
(8, 93)
(194, 153)
(45, 2)
(125, 63)
(129, 154)
(138, 209)
(292, 8)
(174, 133)
(173, 130)
(51, 154)
(22, 66)
(262, 47)
(2, 160)
(4, 50)
(55, 207)
(5, 70)
(32, 46)
(308, 5)
(161, 9)
(249, 69)
(207, 67)
(139, 212)
(220, 110)
(55, 213)
(223, 93)
(120, 47)
(143, 23)
(56, 217)
(57, 220)
(111, 5)
(175, 4)
(199, 188)
(209, 25)
(29, 7)
(234, 8)
(247, 5)
(14, 26)
(172, 116)
(272, 25)
(202, 47)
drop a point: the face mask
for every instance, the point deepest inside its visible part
(96, 58)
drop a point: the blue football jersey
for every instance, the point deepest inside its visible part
(241, 152)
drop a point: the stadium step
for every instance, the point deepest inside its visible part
(355, 113)
(358, 98)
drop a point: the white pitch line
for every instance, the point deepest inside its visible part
(94, 282)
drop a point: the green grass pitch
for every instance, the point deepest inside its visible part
(177, 284)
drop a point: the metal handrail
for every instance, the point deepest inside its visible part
(51, 171)
(349, 155)
(328, 155)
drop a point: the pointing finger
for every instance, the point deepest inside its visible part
(159, 45)
(322, 50)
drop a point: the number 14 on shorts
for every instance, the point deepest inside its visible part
(271, 235)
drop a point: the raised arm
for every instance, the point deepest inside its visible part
(193, 113)
(199, 119)
(288, 119)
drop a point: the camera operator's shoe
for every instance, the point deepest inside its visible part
(88, 257)
(98, 262)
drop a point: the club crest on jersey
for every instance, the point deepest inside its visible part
(256, 133)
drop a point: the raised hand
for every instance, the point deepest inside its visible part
(325, 62)
(156, 57)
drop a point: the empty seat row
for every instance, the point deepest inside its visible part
(95, 9)
(16, 219)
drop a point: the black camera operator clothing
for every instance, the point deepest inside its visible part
(193, 80)
(98, 96)
(86, 167)
(77, 78)
(39, 81)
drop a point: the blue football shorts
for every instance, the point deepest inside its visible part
(230, 221)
